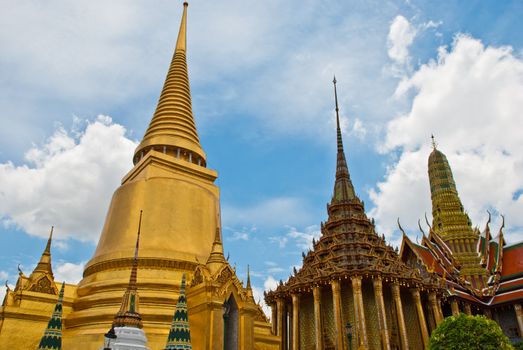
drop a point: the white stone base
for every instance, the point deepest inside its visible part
(129, 338)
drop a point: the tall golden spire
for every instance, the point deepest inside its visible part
(44, 265)
(343, 188)
(129, 313)
(172, 129)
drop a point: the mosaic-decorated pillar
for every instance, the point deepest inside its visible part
(421, 317)
(401, 318)
(382, 316)
(317, 317)
(336, 303)
(279, 325)
(359, 312)
(434, 305)
(519, 316)
(274, 318)
(295, 322)
(467, 309)
(455, 307)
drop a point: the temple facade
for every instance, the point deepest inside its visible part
(353, 282)
(480, 273)
(180, 235)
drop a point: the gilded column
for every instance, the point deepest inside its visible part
(279, 326)
(382, 316)
(295, 322)
(359, 312)
(519, 316)
(401, 319)
(421, 317)
(455, 307)
(439, 308)
(466, 308)
(317, 318)
(274, 318)
(434, 305)
(336, 303)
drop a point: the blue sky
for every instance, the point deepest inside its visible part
(79, 82)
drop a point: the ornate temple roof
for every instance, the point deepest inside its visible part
(349, 244)
(52, 338)
(180, 333)
(475, 266)
(129, 313)
(173, 122)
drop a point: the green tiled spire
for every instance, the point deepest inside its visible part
(52, 338)
(180, 334)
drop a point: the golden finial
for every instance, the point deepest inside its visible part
(434, 144)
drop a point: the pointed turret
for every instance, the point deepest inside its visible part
(52, 338)
(44, 265)
(129, 314)
(343, 188)
(180, 334)
(248, 287)
(449, 217)
(216, 258)
(172, 129)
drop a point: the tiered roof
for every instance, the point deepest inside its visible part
(349, 245)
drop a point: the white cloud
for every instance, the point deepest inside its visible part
(3, 275)
(401, 35)
(242, 234)
(303, 238)
(358, 129)
(67, 182)
(259, 298)
(69, 272)
(471, 99)
(270, 283)
(431, 25)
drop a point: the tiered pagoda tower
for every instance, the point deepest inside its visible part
(481, 274)
(353, 276)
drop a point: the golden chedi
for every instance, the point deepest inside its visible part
(180, 232)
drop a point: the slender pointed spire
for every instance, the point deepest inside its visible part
(343, 188)
(44, 265)
(248, 278)
(52, 338)
(434, 144)
(172, 128)
(180, 333)
(216, 258)
(129, 313)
